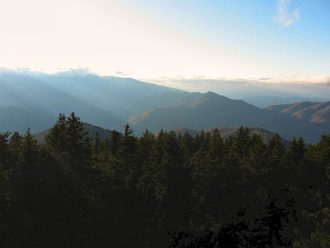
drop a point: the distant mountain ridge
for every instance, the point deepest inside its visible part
(91, 130)
(225, 133)
(105, 101)
(33, 100)
(314, 112)
(14, 118)
(267, 101)
(204, 111)
(229, 132)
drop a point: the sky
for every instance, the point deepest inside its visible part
(283, 40)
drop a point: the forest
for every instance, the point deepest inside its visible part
(162, 190)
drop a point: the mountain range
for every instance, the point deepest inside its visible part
(33, 100)
(229, 132)
(204, 111)
(224, 132)
(314, 112)
(90, 129)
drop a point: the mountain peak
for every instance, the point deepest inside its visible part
(211, 93)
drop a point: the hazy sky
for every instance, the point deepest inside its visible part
(169, 38)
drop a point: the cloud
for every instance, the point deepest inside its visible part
(284, 16)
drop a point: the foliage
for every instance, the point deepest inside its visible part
(163, 190)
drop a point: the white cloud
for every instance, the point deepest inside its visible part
(284, 16)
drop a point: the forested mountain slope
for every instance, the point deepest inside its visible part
(111, 102)
(94, 132)
(91, 130)
(204, 111)
(315, 112)
(230, 132)
(19, 119)
(162, 191)
(104, 101)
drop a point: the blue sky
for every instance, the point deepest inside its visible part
(249, 39)
(253, 28)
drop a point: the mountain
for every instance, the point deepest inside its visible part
(121, 96)
(105, 101)
(265, 134)
(228, 132)
(92, 130)
(266, 101)
(103, 133)
(19, 119)
(30, 92)
(204, 111)
(198, 111)
(29, 99)
(314, 112)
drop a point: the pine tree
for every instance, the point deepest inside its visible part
(275, 150)
(4, 150)
(78, 143)
(296, 151)
(56, 139)
(115, 141)
(187, 146)
(129, 157)
(30, 148)
(216, 146)
(240, 144)
(97, 144)
(15, 143)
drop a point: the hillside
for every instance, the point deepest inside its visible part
(105, 101)
(198, 111)
(33, 100)
(314, 112)
(204, 111)
(267, 101)
(229, 132)
(20, 119)
(58, 184)
(91, 130)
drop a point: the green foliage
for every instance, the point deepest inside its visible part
(127, 191)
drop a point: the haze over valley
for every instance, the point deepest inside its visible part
(33, 100)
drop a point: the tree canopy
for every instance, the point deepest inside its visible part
(162, 190)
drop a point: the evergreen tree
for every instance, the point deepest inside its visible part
(129, 191)
(296, 151)
(5, 154)
(30, 148)
(97, 143)
(78, 142)
(56, 139)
